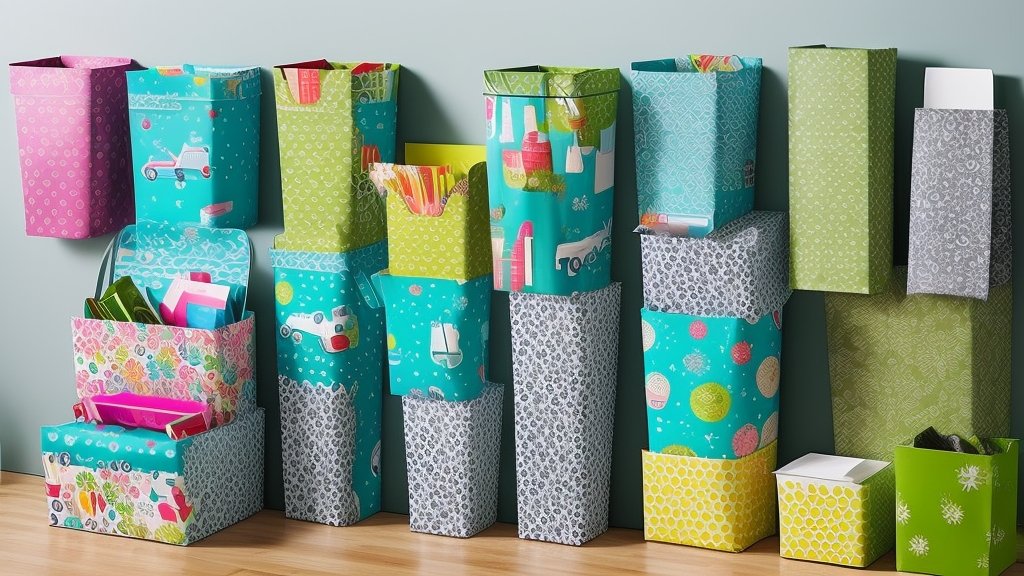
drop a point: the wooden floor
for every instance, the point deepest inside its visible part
(268, 543)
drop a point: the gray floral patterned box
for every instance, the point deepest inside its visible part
(739, 270)
(564, 361)
(452, 452)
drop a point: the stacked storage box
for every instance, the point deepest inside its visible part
(715, 279)
(437, 297)
(550, 168)
(330, 334)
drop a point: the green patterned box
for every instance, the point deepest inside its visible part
(333, 120)
(956, 513)
(841, 117)
(900, 364)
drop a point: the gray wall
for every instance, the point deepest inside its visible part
(444, 45)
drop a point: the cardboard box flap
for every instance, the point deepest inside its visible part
(833, 468)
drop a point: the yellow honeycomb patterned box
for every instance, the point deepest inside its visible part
(836, 509)
(719, 504)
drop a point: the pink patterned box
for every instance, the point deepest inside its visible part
(72, 121)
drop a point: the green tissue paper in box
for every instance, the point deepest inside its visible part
(956, 513)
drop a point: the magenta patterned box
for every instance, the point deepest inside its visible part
(72, 121)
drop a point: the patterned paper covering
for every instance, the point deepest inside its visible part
(960, 228)
(958, 381)
(564, 360)
(719, 504)
(452, 454)
(839, 523)
(841, 123)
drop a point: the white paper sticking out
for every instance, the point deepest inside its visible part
(958, 88)
(835, 468)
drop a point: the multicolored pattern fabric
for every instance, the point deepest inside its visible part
(956, 513)
(841, 126)
(719, 504)
(550, 177)
(712, 384)
(330, 205)
(452, 452)
(195, 135)
(71, 114)
(838, 523)
(564, 361)
(438, 332)
(960, 228)
(696, 141)
(900, 364)
(210, 481)
(739, 270)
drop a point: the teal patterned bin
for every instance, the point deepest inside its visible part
(550, 177)
(195, 136)
(696, 142)
(330, 350)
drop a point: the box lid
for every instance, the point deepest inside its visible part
(833, 468)
(115, 447)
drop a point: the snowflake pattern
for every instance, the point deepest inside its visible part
(971, 477)
(902, 510)
(580, 204)
(696, 362)
(995, 536)
(919, 545)
(951, 512)
(983, 561)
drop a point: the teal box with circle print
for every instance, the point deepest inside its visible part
(195, 135)
(712, 384)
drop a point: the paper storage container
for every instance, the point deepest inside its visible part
(696, 142)
(841, 122)
(195, 134)
(739, 270)
(71, 113)
(961, 239)
(333, 120)
(956, 513)
(550, 176)
(835, 509)
(712, 384)
(214, 366)
(330, 346)
(452, 454)
(899, 364)
(723, 505)
(437, 335)
(141, 484)
(564, 361)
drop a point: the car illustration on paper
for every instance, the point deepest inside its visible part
(337, 333)
(585, 251)
(444, 345)
(191, 159)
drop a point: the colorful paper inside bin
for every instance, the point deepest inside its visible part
(956, 513)
(836, 509)
(550, 177)
(333, 120)
(71, 114)
(452, 455)
(437, 216)
(696, 142)
(564, 359)
(900, 364)
(712, 384)
(960, 223)
(437, 335)
(140, 484)
(739, 270)
(195, 134)
(719, 504)
(841, 123)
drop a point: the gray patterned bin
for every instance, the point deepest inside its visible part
(960, 227)
(452, 453)
(564, 359)
(739, 270)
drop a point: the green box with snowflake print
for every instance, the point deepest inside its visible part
(956, 513)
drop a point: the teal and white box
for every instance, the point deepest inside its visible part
(195, 137)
